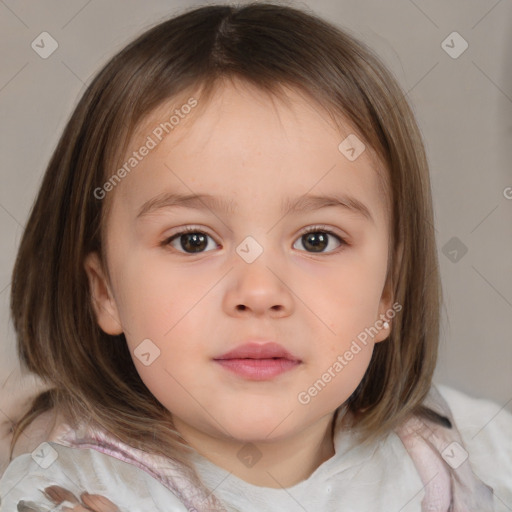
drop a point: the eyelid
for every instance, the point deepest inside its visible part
(323, 228)
(315, 227)
(189, 228)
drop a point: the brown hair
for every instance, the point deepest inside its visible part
(267, 45)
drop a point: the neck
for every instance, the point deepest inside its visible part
(276, 463)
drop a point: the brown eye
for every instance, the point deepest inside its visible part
(316, 240)
(190, 242)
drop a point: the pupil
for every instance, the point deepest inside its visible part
(192, 241)
(318, 241)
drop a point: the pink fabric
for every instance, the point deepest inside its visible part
(163, 469)
(437, 452)
(443, 464)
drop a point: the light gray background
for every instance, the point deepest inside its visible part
(463, 106)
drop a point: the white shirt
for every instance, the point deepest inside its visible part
(381, 477)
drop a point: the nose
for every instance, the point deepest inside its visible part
(258, 289)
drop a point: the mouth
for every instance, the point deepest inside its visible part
(254, 361)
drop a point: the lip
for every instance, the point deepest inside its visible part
(253, 350)
(258, 361)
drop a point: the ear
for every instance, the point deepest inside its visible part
(386, 300)
(384, 306)
(103, 301)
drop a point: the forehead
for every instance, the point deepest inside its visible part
(234, 108)
(243, 139)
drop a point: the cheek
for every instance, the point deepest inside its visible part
(154, 296)
(353, 294)
(337, 377)
(180, 367)
(164, 305)
(350, 308)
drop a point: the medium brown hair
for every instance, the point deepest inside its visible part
(266, 45)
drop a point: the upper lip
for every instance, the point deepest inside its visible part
(253, 350)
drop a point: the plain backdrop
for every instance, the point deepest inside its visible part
(462, 100)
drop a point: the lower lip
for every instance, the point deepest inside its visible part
(258, 369)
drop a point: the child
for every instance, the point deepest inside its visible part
(229, 278)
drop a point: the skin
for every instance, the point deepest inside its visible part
(197, 306)
(94, 502)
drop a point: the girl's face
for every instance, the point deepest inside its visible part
(246, 271)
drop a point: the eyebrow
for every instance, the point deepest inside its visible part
(209, 202)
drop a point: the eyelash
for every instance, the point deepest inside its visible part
(311, 229)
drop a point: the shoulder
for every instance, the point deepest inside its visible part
(81, 470)
(486, 430)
